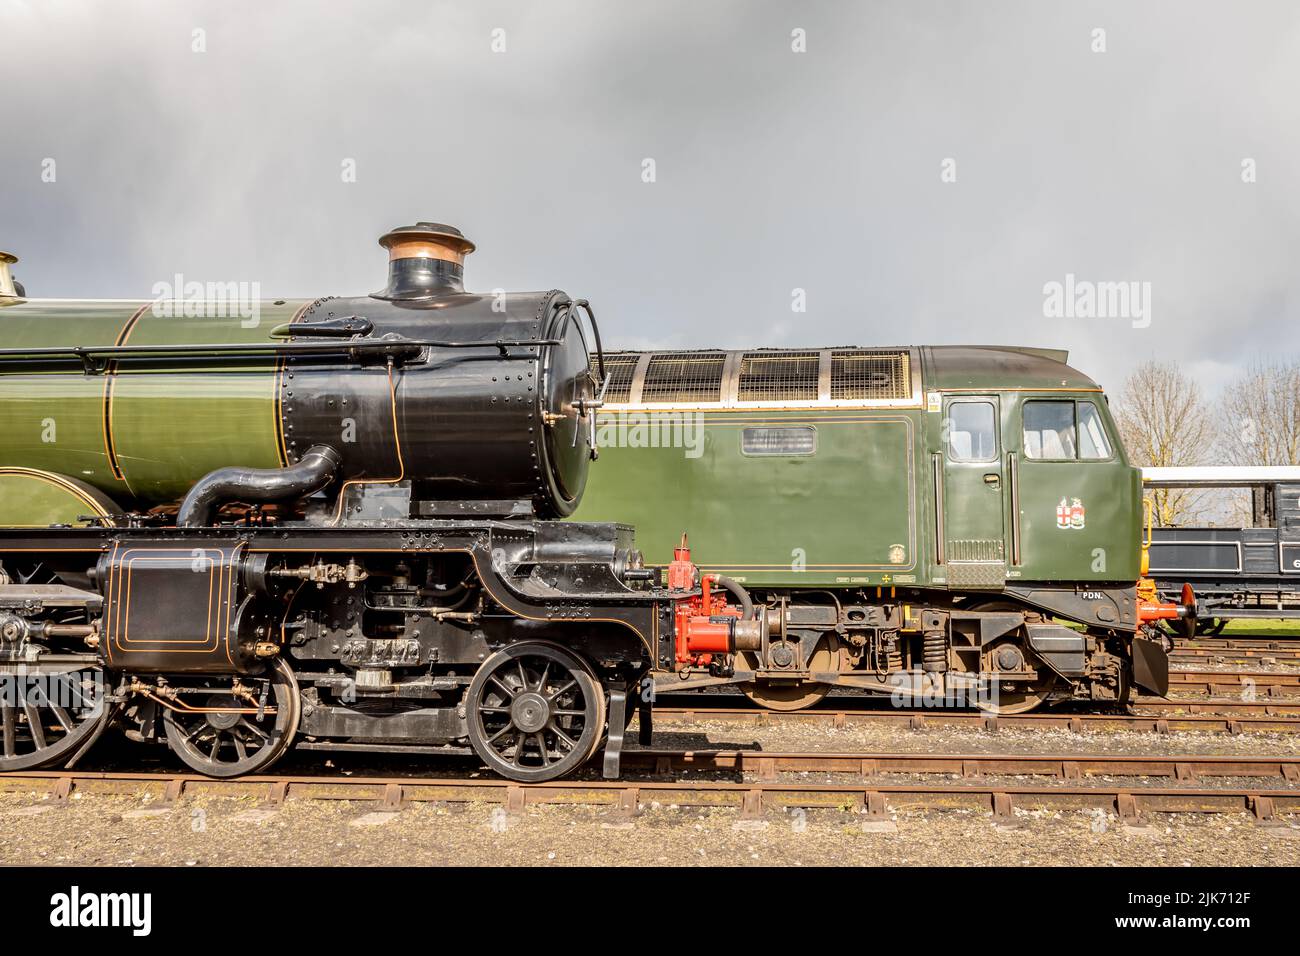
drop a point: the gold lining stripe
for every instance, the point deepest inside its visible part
(59, 481)
(110, 378)
(397, 443)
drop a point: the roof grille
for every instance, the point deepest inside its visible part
(779, 377)
(619, 369)
(869, 374)
(684, 377)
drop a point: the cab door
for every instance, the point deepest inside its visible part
(972, 484)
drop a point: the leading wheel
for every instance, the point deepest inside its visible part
(535, 712)
(47, 716)
(223, 736)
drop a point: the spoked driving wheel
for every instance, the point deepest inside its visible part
(221, 734)
(46, 716)
(535, 712)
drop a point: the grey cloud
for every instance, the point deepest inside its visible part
(775, 170)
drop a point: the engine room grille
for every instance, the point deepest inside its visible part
(620, 369)
(779, 377)
(684, 377)
(869, 374)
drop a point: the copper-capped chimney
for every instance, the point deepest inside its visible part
(424, 260)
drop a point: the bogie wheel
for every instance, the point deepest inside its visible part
(789, 695)
(46, 717)
(1027, 698)
(535, 712)
(1007, 703)
(219, 740)
(1211, 626)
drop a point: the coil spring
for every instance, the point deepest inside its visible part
(934, 652)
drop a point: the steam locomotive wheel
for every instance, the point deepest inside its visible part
(776, 695)
(535, 712)
(221, 742)
(44, 724)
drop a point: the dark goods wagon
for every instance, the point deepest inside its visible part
(1250, 571)
(322, 523)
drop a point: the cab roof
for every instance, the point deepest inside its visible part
(1000, 367)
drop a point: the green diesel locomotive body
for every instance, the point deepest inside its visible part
(965, 469)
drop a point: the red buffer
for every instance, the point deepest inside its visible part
(706, 623)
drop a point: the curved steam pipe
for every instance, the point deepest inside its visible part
(258, 486)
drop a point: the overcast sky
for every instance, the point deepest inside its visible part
(774, 170)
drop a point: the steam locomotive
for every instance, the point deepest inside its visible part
(323, 523)
(351, 524)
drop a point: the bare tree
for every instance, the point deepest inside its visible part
(1259, 422)
(1164, 422)
(1260, 414)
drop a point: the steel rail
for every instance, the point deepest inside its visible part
(1199, 655)
(1232, 717)
(1274, 683)
(1063, 766)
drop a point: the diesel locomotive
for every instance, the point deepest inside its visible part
(327, 524)
(915, 518)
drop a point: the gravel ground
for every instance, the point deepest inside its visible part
(1229, 666)
(107, 830)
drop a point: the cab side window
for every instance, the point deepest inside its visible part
(1093, 442)
(972, 431)
(1064, 431)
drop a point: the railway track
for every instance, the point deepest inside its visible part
(1230, 717)
(1234, 682)
(1250, 650)
(980, 781)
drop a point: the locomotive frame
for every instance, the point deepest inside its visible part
(191, 621)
